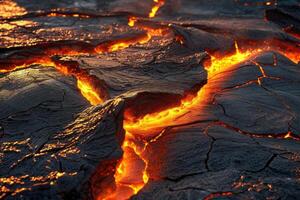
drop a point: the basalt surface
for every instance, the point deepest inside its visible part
(163, 99)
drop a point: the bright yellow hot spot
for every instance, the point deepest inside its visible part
(131, 21)
(156, 7)
(88, 92)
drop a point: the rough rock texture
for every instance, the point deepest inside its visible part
(237, 151)
(241, 142)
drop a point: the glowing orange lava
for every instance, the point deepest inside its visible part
(84, 82)
(218, 195)
(88, 91)
(131, 173)
(9, 8)
(130, 169)
(156, 7)
(166, 117)
(123, 43)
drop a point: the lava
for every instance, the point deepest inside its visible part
(90, 86)
(10, 8)
(94, 93)
(84, 83)
(218, 195)
(77, 15)
(123, 43)
(166, 118)
(88, 92)
(129, 183)
(131, 173)
(156, 7)
(287, 135)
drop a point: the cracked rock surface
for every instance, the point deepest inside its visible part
(240, 142)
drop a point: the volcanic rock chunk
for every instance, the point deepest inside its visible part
(288, 19)
(37, 101)
(271, 102)
(239, 152)
(152, 69)
(60, 167)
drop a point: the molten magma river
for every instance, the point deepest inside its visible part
(131, 172)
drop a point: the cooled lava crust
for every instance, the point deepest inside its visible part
(149, 99)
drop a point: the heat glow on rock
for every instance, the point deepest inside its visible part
(156, 7)
(10, 8)
(131, 173)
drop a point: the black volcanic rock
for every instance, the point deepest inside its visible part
(240, 142)
(59, 165)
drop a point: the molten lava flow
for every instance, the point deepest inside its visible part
(143, 38)
(131, 173)
(131, 21)
(157, 5)
(88, 91)
(85, 82)
(88, 85)
(123, 43)
(166, 117)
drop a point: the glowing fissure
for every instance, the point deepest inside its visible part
(157, 5)
(131, 177)
(287, 135)
(218, 195)
(131, 173)
(120, 44)
(84, 83)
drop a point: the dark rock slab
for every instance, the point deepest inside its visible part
(61, 166)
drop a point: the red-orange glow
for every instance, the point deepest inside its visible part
(132, 21)
(294, 33)
(84, 80)
(84, 83)
(123, 43)
(166, 117)
(179, 39)
(15, 66)
(157, 5)
(54, 14)
(155, 122)
(131, 173)
(9, 8)
(218, 195)
(88, 92)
